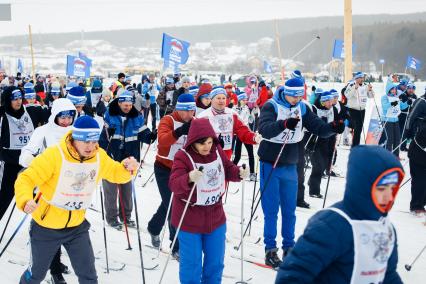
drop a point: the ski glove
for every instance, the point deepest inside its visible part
(168, 102)
(244, 173)
(403, 98)
(183, 130)
(147, 96)
(221, 142)
(394, 103)
(195, 175)
(258, 138)
(409, 102)
(230, 105)
(338, 126)
(291, 123)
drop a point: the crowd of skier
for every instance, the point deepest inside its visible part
(67, 139)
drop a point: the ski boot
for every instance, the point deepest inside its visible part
(58, 279)
(155, 240)
(272, 259)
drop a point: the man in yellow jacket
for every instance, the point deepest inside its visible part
(67, 175)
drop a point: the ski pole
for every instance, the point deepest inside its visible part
(164, 227)
(7, 222)
(179, 226)
(405, 124)
(18, 227)
(397, 147)
(329, 172)
(138, 230)
(103, 225)
(405, 183)
(242, 230)
(123, 215)
(149, 178)
(409, 266)
(265, 187)
(254, 191)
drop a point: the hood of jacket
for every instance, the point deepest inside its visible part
(58, 105)
(7, 95)
(200, 128)
(366, 164)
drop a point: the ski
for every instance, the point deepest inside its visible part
(18, 262)
(118, 267)
(255, 263)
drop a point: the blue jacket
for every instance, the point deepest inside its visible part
(269, 127)
(146, 88)
(325, 251)
(125, 137)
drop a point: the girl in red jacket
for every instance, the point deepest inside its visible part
(226, 122)
(204, 224)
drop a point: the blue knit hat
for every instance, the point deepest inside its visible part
(29, 91)
(77, 96)
(326, 96)
(55, 91)
(169, 81)
(294, 87)
(126, 96)
(242, 96)
(86, 129)
(403, 82)
(411, 86)
(358, 75)
(185, 102)
(193, 90)
(334, 93)
(16, 95)
(216, 91)
(70, 85)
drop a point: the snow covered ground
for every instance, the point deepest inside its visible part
(411, 233)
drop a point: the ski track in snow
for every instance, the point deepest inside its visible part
(411, 233)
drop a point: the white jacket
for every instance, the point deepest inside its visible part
(357, 97)
(46, 135)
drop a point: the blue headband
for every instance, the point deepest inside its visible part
(86, 134)
(30, 96)
(77, 100)
(390, 178)
(66, 113)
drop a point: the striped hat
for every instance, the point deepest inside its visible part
(77, 96)
(216, 91)
(126, 96)
(294, 87)
(242, 96)
(334, 93)
(185, 102)
(29, 91)
(193, 90)
(326, 96)
(86, 129)
(358, 75)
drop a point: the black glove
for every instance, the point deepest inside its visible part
(222, 143)
(403, 98)
(338, 126)
(154, 135)
(410, 102)
(147, 96)
(230, 105)
(291, 123)
(394, 103)
(168, 102)
(183, 130)
(110, 132)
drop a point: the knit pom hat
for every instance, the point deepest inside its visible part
(185, 102)
(29, 91)
(411, 86)
(242, 96)
(193, 90)
(77, 96)
(294, 87)
(216, 91)
(71, 85)
(358, 75)
(204, 90)
(296, 74)
(334, 93)
(86, 129)
(126, 96)
(326, 96)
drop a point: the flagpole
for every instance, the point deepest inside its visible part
(348, 39)
(277, 40)
(32, 53)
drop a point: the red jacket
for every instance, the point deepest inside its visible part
(263, 97)
(198, 219)
(232, 97)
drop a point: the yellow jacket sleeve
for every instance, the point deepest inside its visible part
(111, 170)
(39, 172)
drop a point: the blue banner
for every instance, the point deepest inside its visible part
(267, 67)
(339, 49)
(413, 63)
(77, 66)
(174, 51)
(85, 58)
(20, 67)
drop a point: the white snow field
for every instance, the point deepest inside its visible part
(411, 232)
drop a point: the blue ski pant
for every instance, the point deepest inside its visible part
(281, 192)
(193, 269)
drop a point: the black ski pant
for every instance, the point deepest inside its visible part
(418, 186)
(393, 137)
(112, 196)
(402, 118)
(331, 155)
(153, 108)
(357, 121)
(301, 163)
(7, 188)
(319, 160)
(237, 153)
(45, 243)
(155, 225)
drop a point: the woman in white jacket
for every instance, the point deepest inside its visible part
(60, 122)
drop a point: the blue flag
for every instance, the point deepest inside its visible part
(267, 67)
(174, 51)
(20, 67)
(339, 49)
(413, 63)
(83, 56)
(77, 66)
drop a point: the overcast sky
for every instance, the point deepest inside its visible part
(90, 15)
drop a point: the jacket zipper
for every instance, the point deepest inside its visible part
(69, 218)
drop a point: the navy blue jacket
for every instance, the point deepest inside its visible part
(324, 253)
(125, 136)
(269, 127)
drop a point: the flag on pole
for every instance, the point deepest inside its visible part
(267, 67)
(413, 63)
(77, 66)
(20, 67)
(83, 56)
(174, 52)
(339, 49)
